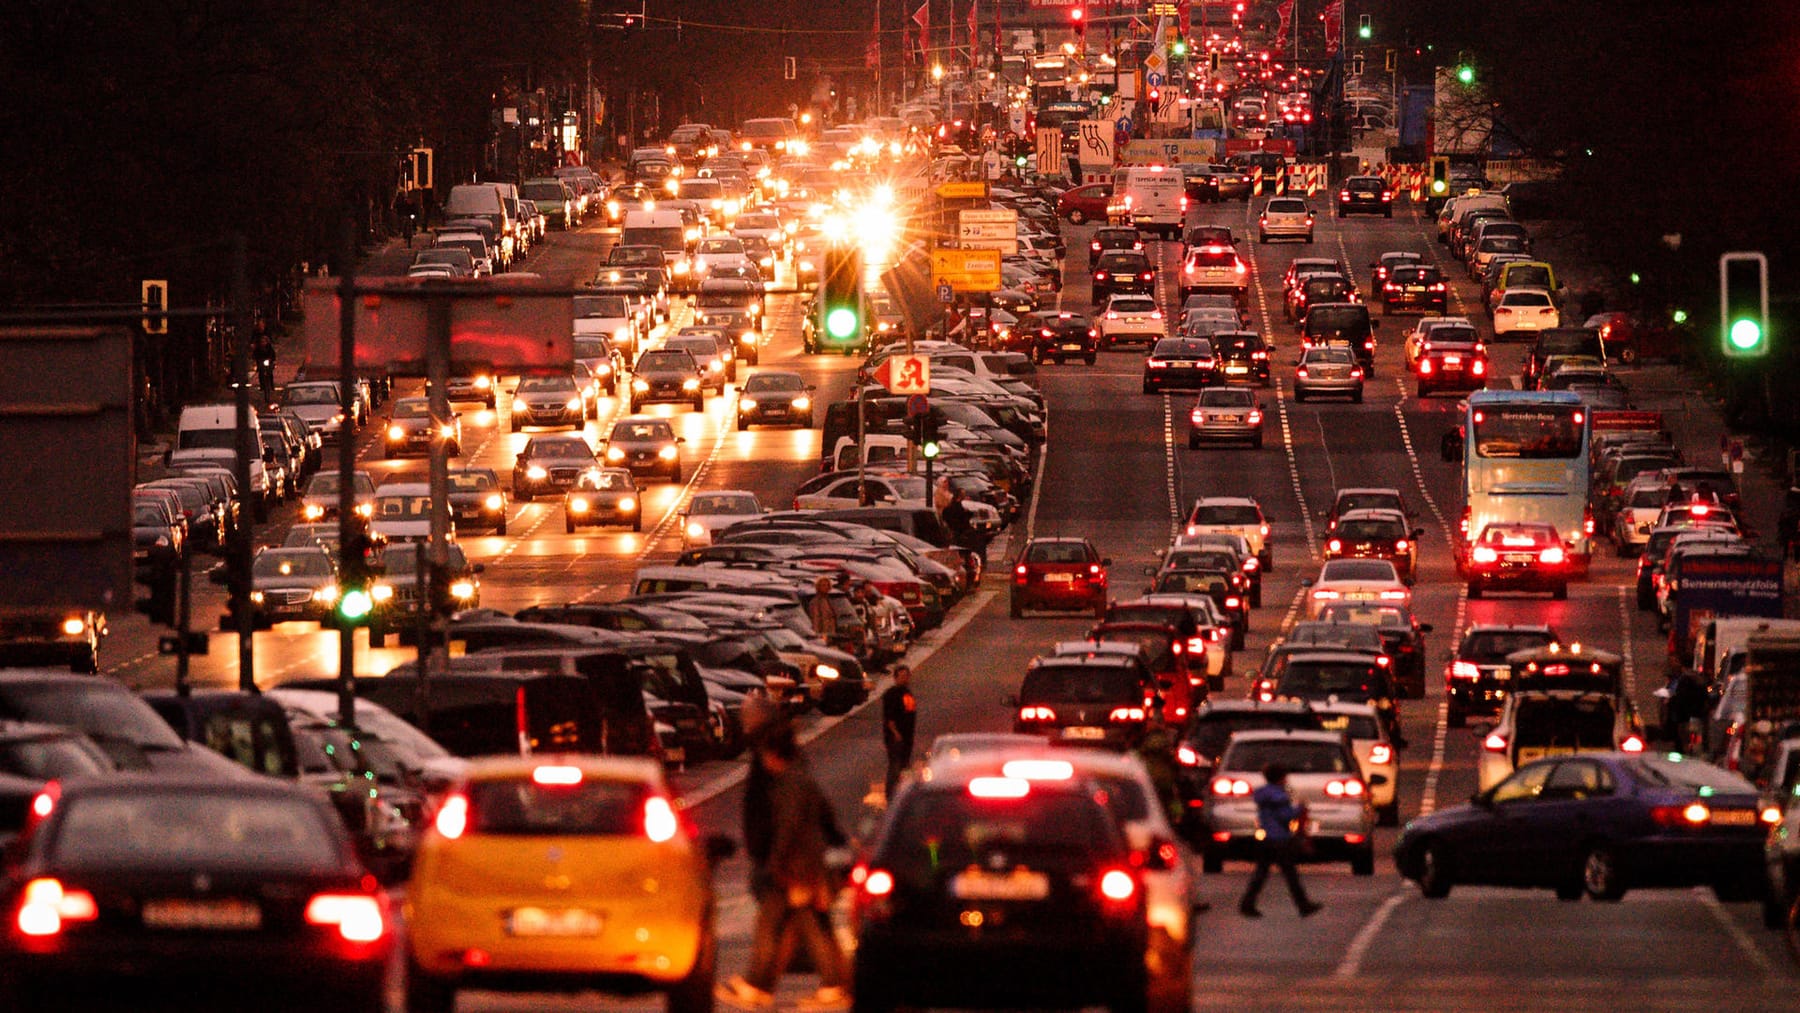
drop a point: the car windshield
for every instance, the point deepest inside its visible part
(700, 347)
(1080, 684)
(939, 833)
(1371, 530)
(1357, 569)
(757, 222)
(100, 711)
(1492, 646)
(589, 807)
(186, 830)
(717, 505)
(144, 515)
(575, 449)
(1387, 616)
(1361, 726)
(1527, 298)
(547, 385)
(1123, 262)
(1529, 275)
(1182, 346)
(1203, 559)
(1333, 318)
(52, 756)
(1296, 757)
(1287, 207)
(1192, 582)
(325, 483)
(471, 481)
(1056, 552)
(1209, 257)
(1453, 335)
(1232, 514)
(1328, 356)
(408, 408)
(1236, 344)
(299, 563)
(762, 382)
(1586, 723)
(309, 393)
(643, 430)
(665, 361)
(609, 480)
(591, 306)
(1529, 431)
(405, 562)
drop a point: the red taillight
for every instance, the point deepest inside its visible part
(357, 917)
(1381, 753)
(1554, 556)
(1401, 545)
(660, 821)
(1147, 275)
(44, 802)
(1344, 789)
(1356, 372)
(1694, 814)
(1464, 670)
(1185, 755)
(1632, 744)
(1037, 713)
(1255, 417)
(1479, 368)
(878, 883)
(1099, 275)
(1425, 367)
(1494, 743)
(1343, 195)
(1117, 885)
(1230, 786)
(1301, 372)
(1387, 195)
(452, 817)
(1126, 714)
(45, 905)
(1334, 546)
(1485, 554)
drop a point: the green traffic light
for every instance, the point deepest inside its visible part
(1745, 334)
(930, 448)
(355, 604)
(1179, 48)
(1465, 74)
(840, 322)
(1439, 186)
(1365, 32)
(1680, 316)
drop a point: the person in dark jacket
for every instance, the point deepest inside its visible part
(899, 716)
(1277, 817)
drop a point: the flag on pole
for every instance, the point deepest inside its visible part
(922, 18)
(1285, 11)
(973, 6)
(1334, 26)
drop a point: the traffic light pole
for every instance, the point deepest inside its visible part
(437, 383)
(248, 443)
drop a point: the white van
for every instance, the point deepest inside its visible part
(666, 230)
(485, 200)
(403, 512)
(1151, 197)
(207, 436)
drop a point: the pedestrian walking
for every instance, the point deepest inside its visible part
(262, 349)
(819, 610)
(899, 717)
(786, 843)
(1281, 824)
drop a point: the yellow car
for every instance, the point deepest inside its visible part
(559, 872)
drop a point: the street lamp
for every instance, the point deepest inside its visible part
(937, 72)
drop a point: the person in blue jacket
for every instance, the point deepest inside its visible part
(1279, 821)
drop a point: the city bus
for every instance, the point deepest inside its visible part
(1525, 458)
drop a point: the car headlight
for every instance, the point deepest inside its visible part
(257, 597)
(396, 433)
(681, 267)
(483, 382)
(573, 404)
(578, 505)
(520, 407)
(747, 404)
(640, 385)
(381, 592)
(695, 530)
(493, 502)
(613, 208)
(536, 473)
(313, 511)
(827, 672)
(603, 369)
(715, 366)
(447, 431)
(802, 403)
(365, 509)
(74, 626)
(667, 453)
(328, 593)
(691, 383)
(162, 541)
(627, 504)
(463, 589)
(615, 454)
(748, 337)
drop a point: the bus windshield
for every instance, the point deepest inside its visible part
(1534, 432)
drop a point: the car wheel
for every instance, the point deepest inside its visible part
(637, 523)
(1148, 389)
(427, 993)
(569, 525)
(1560, 592)
(500, 528)
(694, 993)
(1774, 912)
(1435, 879)
(1309, 239)
(1600, 874)
(1646, 598)
(1256, 597)
(1363, 863)
(1474, 590)
(740, 424)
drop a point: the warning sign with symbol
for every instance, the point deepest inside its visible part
(905, 374)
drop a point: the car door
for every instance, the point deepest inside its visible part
(1578, 801)
(1488, 851)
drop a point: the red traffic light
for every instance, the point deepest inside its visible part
(1076, 14)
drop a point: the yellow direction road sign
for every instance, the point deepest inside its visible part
(966, 270)
(952, 191)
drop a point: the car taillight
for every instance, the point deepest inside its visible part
(1301, 372)
(1436, 287)
(1390, 287)
(1099, 275)
(1185, 755)
(1156, 314)
(1387, 195)
(45, 904)
(1401, 545)
(1425, 367)
(1462, 524)
(1554, 555)
(452, 818)
(1343, 195)
(1265, 530)
(1694, 814)
(1587, 521)
(1632, 744)
(357, 917)
(1344, 789)
(1147, 276)
(1485, 554)
(1124, 714)
(1232, 602)
(1037, 713)
(1356, 373)
(1494, 743)
(1117, 885)
(660, 821)
(1381, 752)
(1334, 546)
(1464, 670)
(1255, 418)
(877, 882)
(1230, 786)
(1019, 574)
(1478, 368)
(1189, 269)
(1251, 564)
(1259, 355)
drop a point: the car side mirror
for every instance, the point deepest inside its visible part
(1306, 582)
(1481, 799)
(1375, 325)
(1165, 683)
(1376, 780)
(1156, 856)
(1418, 532)
(1106, 561)
(680, 439)
(219, 575)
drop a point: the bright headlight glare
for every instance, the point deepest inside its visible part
(615, 454)
(536, 473)
(573, 404)
(519, 407)
(381, 592)
(694, 530)
(396, 433)
(493, 502)
(803, 403)
(827, 672)
(578, 505)
(666, 453)
(746, 404)
(627, 505)
(690, 384)
(462, 589)
(640, 385)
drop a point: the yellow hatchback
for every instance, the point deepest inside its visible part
(562, 873)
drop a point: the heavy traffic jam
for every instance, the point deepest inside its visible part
(1212, 510)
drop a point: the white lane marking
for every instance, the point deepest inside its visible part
(1628, 666)
(1281, 409)
(1170, 469)
(1418, 470)
(1743, 940)
(1351, 965)
(1440, 733)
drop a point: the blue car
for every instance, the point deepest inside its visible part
(1599, 824)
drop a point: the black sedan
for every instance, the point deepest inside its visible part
(550, 464)
(1057, 336)
(1415, 287)
(1599, 824)
(1180, 363)
(252, 885)
(1121, 272)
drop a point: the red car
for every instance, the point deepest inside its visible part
(1084, 203)
(1448, 365)
(1166, 651)
(1519, 556)
(1065, 574)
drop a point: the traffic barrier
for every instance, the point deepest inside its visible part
(1256, 181)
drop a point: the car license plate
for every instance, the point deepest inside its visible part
(1059, 578)
(1017, 885)
(1084, 732)
(1518, 557)
(1734, 817)
(564, 923)
(1071, 348)
(1178, 364)
(181, 914)
(1452, 360)
(1415, 290)
(1237, 369)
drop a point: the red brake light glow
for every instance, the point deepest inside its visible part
(46, 905)
(1494, 743)
(878, 883)
(999, 787)
(1117, 885)
(452, 818)
(1038, 770)
(1381, 753)
(357, 917)
(660, 822)
(1038, 713)
(560, 776)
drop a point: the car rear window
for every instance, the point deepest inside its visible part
(1332, 318)
(1211, 732)
(1212, 258)
(526, 808)
(1226, 514)
(1359, 530)
(1287, 207)
(1297, 757)
(1155, 645)
(1079, 683)
(939, 832)
(1492, 648)
(1357, 726)
(1133, 305)
(1309, 678)
(1513, 298)
(1582, 724)
(1123, 262)
(1223, 398)
(155, 829)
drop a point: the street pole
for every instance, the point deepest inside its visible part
(437, 372)
(242, 538)
(346, 473)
